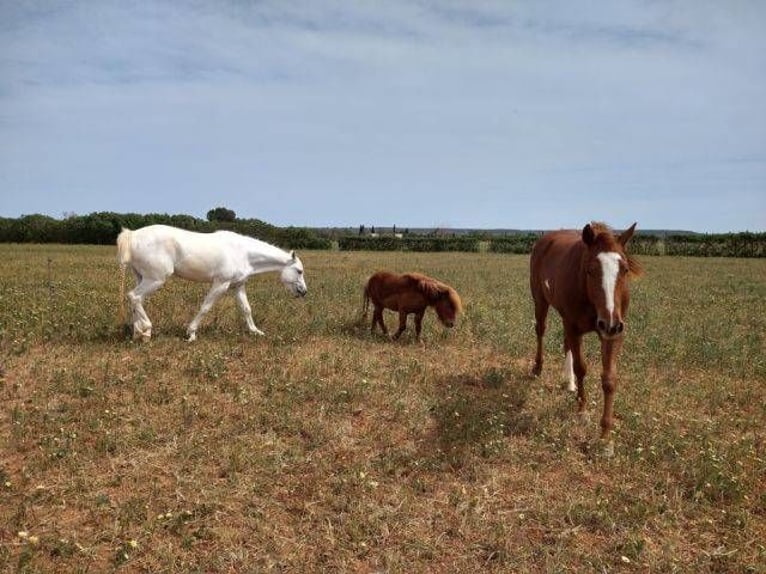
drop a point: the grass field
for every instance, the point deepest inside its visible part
(321, 448)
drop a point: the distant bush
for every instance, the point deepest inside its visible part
(717, 245)
(424, 243)
(517, 243)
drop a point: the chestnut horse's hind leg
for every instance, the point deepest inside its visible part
(568, 370)
(541, 315)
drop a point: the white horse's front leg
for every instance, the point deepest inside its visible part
(213, 295)
(244, 307)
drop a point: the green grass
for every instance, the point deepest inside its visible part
(323, 448)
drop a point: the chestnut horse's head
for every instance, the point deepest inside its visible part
(608, 267)
(443, 298)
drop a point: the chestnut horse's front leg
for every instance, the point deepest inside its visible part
(610, 348)
(573, 343)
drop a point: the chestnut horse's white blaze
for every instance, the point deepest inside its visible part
(223, 258)
(610, 268)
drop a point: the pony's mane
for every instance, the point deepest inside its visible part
(431, 288)
(634, 266)
(454, 299)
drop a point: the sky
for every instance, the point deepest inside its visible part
(436, 113)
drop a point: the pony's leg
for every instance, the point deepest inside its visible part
(142, 326)
(244, 307)
(609, 351)
(419, 323)
(218, 289)
(541, 315)
(377, 317)
(402, 324)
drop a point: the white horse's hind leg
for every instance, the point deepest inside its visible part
(142, 326)
(213, 295)
(244, 307)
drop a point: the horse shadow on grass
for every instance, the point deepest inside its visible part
(475, 414)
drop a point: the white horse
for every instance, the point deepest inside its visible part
(224, 258)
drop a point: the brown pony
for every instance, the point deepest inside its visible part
(409, 293)
(585, 277)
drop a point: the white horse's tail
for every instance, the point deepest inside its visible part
(123, 256)
(123, 247)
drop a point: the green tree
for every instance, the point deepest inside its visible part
(221, 214)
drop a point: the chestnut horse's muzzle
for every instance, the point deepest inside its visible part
(610, 331)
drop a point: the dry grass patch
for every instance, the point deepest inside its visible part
(323, 448)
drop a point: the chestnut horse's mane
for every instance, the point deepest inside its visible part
(433, 289)
(598, 227)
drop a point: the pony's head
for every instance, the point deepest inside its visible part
(444, 299)
(292, 276)
(607, 268)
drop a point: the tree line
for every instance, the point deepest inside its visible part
(102, 228)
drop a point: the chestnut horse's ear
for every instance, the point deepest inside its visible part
(626, 235)
(588, 235)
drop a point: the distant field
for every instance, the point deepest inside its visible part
(322, 448)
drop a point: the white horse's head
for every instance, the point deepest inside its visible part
(292, 276)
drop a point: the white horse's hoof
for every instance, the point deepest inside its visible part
(257, 332)
(142, 336)
(192, 337)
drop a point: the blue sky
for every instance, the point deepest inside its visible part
(483, 114)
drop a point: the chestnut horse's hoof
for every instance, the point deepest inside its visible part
(607, 448)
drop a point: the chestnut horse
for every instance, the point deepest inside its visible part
(409, 293)
(584, 275)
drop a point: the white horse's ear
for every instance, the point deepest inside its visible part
(292, 255)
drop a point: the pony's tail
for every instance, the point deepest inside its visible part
(123, 257)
